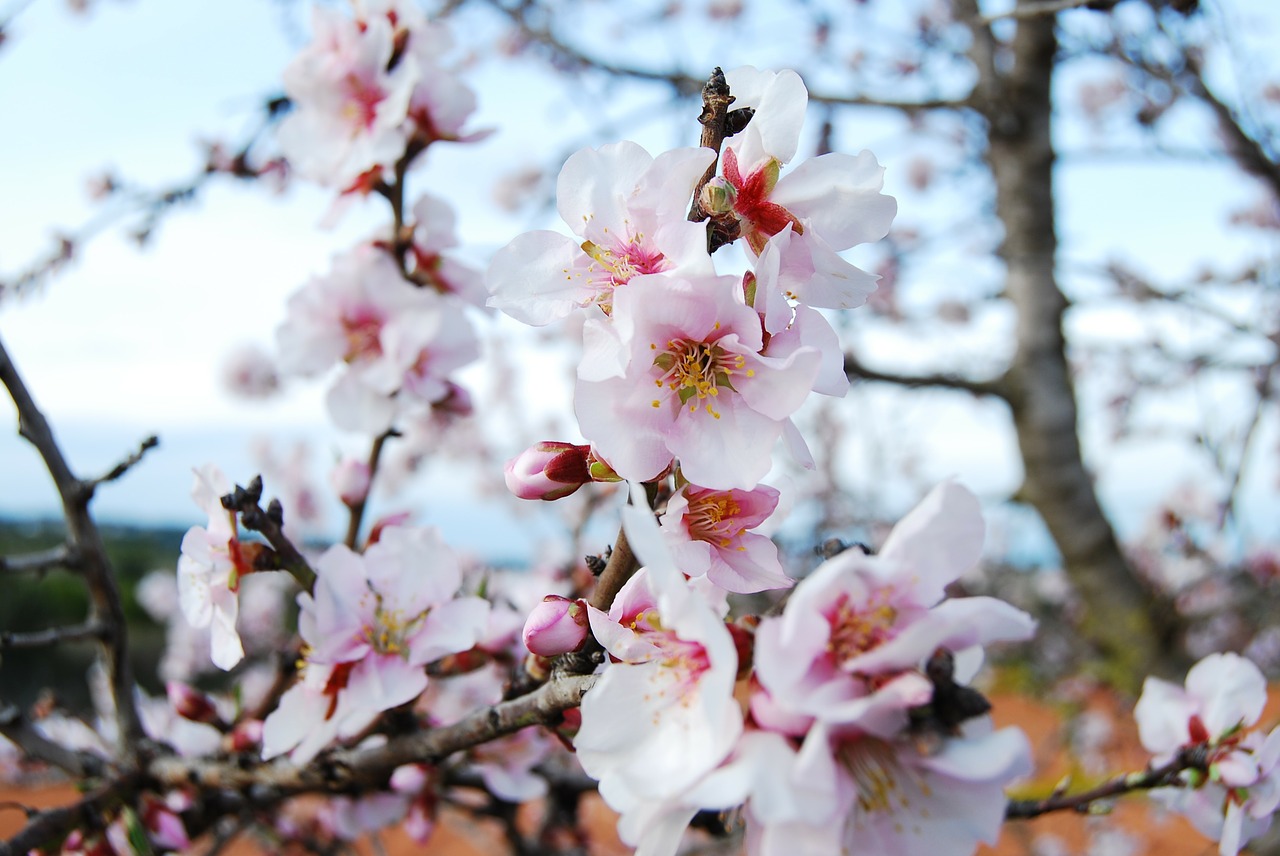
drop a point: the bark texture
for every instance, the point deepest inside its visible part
(1131, 626)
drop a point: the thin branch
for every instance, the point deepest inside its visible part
(686, 84)
(621, 566)
(53, 636)
(1036, 10)
(351, 769)
(716, 99)
(85, 540)
(856, 370)
(287, 557)
(124, 466)
(1164, 776)
(19, 731)
(357, 509)
(1264, 390)
(41, 562)
(52, 825)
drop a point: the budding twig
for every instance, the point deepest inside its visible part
(84, 540)
(1164, 776)
(714, 117)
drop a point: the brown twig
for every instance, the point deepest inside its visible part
(1164, 776)
(357, 509)
(124, 466)
(40, 562)
(18, 729)
(716, 99)
(83, 539)
(244, 501)
(51, 825)
(856, 370)
(350, 769)
(53, 635)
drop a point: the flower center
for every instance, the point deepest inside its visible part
(389, 632)
(362, 330)
(713, 518)
(857, 630)
(696, 372)
(874, 767)
(612, 266)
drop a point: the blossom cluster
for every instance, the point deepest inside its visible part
(841, 720)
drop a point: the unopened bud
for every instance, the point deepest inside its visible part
(558, 625)
(717, 197)
(190, 703)
(548, 470)
(246, 736)
(350, 480)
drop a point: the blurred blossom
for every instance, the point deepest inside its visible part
(249, 372)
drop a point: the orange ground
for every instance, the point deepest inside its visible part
(1151, 832)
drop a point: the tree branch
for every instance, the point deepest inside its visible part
(857, 370)
(53, 636)
(244, 501)
(357, 509)
(42, 562)
(350, 769)
(1164, 776)
(19, 730)
(52, 825)
(124, 466)
(83, 539)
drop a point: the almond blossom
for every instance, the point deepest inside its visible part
(367, 91)
(372, 625)
(210, 568)
(848, 648)
(1223, 696)
(707, 533)
(681, 369)
(662, 714)
(629, 208)
(398, 342)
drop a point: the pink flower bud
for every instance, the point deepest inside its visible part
(350, 480)
(558, 625)
(246, 735)
(548, 470)
(190, 703)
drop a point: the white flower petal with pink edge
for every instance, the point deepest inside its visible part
(208, 574)
(848, 647)
(780, 100)
(837, 196)
(1223, 691)
(695, 385)
(657, 722)
(629, 208)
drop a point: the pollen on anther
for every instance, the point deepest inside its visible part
(657, 403)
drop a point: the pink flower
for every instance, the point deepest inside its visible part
(1224, 695)
(350, 104)
(548, 470)
(662, 714)
(682, 369)
(398, 342)
(210, 567)
(434, 235)
(372, 625)
(350, 479)
(848, 648)
(707, 533)
(629, 208)
(556, 626)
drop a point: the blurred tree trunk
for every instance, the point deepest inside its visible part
(1132, 627)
